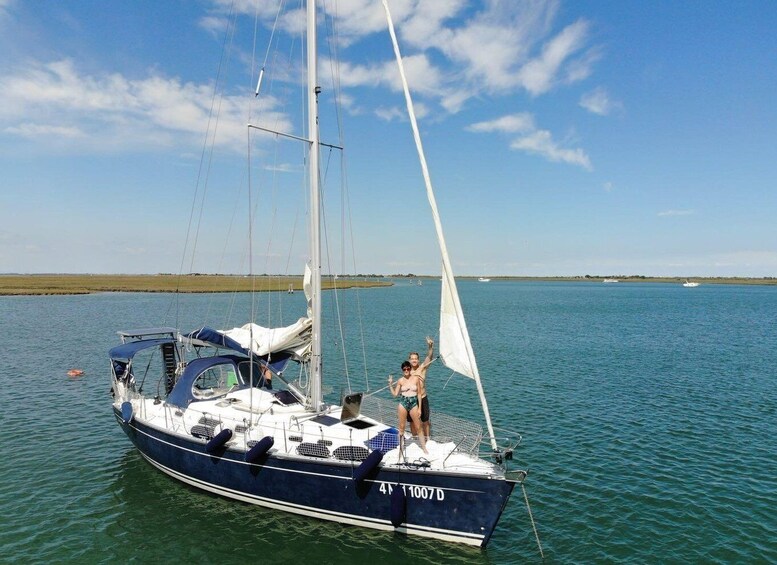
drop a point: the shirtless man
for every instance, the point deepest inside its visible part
(419, 370)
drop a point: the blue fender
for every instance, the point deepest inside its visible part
(260, 448)
(398, 507)
(219, 440)
(126, 412)
(368, 465)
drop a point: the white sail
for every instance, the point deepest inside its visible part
(455, 339)
(454, 342)
(307, 287)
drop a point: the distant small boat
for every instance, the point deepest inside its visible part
(611, 280)
(690, 284)
(483, 279)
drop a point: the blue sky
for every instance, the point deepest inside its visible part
(563, 138)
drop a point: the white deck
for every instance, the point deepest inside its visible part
(255, 414)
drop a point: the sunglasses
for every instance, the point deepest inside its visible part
(405, 369)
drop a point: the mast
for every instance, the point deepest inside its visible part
(313, 89)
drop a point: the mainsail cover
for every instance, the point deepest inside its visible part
(296, 338)
(263, 341)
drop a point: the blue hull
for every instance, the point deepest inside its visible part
(459, 508)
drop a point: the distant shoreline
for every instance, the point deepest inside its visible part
(640, 278)
(62, 284)
(35, 285)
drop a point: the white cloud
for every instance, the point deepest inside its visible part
(608, 186)
(419, 24)
(453, 101)
(263, 8)
(214, 24)
(541, 73)
(581, 67)
(112, 111)
(533, 140)
(357, 18)
(391, 114)
(422, 77)
(500, 49)
(284, 168)
(541, 142)
(666, 213)
(30, 130)
(400, 114)
(506, 46)
(512, 123)
(598, 101)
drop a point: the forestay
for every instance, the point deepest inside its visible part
(455, 347)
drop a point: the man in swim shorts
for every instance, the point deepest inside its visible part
(419, 370)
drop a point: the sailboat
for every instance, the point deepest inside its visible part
(225, 416)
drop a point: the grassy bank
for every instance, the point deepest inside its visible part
(85, 284)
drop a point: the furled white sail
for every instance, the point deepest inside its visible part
(263, 341)
(454, 338)
(307, 287)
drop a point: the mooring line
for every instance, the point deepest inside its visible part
(533, 525)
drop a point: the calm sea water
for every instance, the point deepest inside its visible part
(648, 413)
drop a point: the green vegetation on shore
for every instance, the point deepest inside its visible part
(86, 284)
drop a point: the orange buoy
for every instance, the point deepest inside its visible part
(75, 372)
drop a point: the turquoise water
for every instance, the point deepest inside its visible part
(648, 413)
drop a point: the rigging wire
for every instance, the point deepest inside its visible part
(336, 308)
(231, 36)
(337, 311)
(269, 44)
(345, 206)
(251, 211)
(231, 30)
(254, 210)
(228, 36)
(256, 94)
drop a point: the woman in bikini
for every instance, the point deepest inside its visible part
(411, 388)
